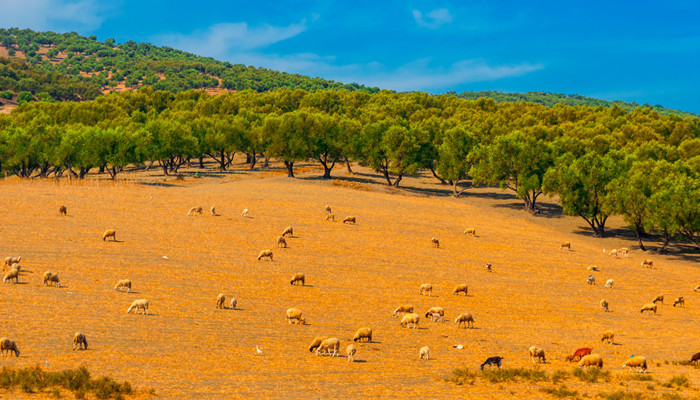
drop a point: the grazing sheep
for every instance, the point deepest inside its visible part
(679, 301)
(537, 352)
(221, 301)
(604, 305)
(110, 233)
(7, 345)
(362, 333)
(13, 273)
(647, 263)
(640, 363)
(435, 242)
(609, 336)
(465, 318)
(213, 211)
(695, 359)
(281, 242)
(426, 288)
(578, 354)
(591, 360)
(623, 251)
(351, 350)
(590, 280)
(492, 361)
(288, 231)
(195, 210)
(435, 310)
(348, 220)
(296, 315)
(234, 302)
(658, 298)
(649, 307)
(410, 319)
(139, 304)
(10, 261)
(62, 210)
(79, 341)
(461, 288)
(488, 267)
(244, 213)
(424, 353)
(265, 253)
(51, 279)
(403, 309)
(593, 268)
(328, 345)
(697, 288)
(316, 342)
(565, 245)
(613, 252)
(470, 231)
(123, 283)
(328, 209)
(609, 283)
(298, 277)
(330, 217)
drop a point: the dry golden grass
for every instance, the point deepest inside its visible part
(356, 275)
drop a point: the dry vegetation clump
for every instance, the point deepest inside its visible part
(351, 184)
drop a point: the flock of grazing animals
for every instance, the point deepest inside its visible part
(331, 345)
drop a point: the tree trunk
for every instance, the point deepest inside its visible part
(247, 158)
(667, 240)
(102, 169)
(442, 181)
(398, 179)
(253, 160)
(347, 164)
(83, 172)
(639, 231)
(267, 162)
(201, 162)
(290, 168)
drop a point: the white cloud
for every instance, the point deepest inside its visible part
(433, 19)
(56, 15)
(221, 40)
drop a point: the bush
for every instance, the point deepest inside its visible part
(513, 374)
(6, 95)
(678, 380)
(561, 391)
(592, 375)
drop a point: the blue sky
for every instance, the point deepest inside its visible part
(643, 51)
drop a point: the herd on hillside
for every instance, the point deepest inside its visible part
(331, 345)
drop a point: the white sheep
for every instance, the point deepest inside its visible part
(537, 352)
(79, 341)
(7, 345)
(697, 288)
(591, 360)
(425, 288)
(10, 261)
(609, 283)
(649, 307)
(435, 242)
(680, 301)
(244, 213)
(316, 342)
(195, 210)
(461, 288)
(51, 279)
(213, 211)
(351, 350)
(330, 217)
(410, 319)
(298, 278)
(363, 333)
(488, 267)
(221, 301)
(613, 253)
(11, 274)
(139, 304)
(234, 302)
(110, 233)
(123, 283)
(349, 219)
(288, 231)
(604, 305)
(565, 245)
(658, 298)
(623, 251)
(470, 231)
(265, 253)
(296, 315)
(640, 363)
(424, 353)
(328, 209)
(593, 268)
(328, 345)
(465, 318)
(435, 310)
(590, 280)
(647, 263)
(608, 336)
(403, 309)
(281, 242)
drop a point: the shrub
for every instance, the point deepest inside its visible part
(677, 380)
(591, 375)
(561, 391)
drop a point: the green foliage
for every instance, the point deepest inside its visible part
(591, 375)
(677, 381)
(560, 392)
(496, 375)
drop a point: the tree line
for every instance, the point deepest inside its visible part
(598, 161)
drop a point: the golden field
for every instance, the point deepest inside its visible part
(355, 276)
